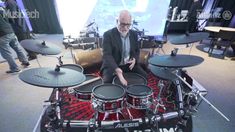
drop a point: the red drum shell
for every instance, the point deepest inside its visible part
(83, 93)
(139, 96)
(108, 98)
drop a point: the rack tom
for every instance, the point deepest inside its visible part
(108, 98)
(139, 96)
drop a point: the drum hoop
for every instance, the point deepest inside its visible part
(137, 95)
(145, 80)
(108, 101)
(85, 92)
(89, 92)
(82, 69)
(140, 96)
(120, 96)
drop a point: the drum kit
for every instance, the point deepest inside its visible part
(112, 99)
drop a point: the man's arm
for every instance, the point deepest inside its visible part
(108, 59)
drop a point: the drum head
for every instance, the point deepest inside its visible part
(132, 79)
(87, 88)
(108, 92)
(73, 67)
(139, 90)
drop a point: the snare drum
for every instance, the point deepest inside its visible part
(73, 67)
(139, 96)
(132, 79)
(108, 98)
(83, 92)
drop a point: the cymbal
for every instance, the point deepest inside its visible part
(191, 38)
(40, 47)
(51, 78)
(162, 73)
(178, 61)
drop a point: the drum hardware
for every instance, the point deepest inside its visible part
(195, 92)
(60, 60)
(48, 78)
(174, 52)
(159, 100)
(151, 120)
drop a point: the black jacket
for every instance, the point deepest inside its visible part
(5, 26)
(112, 48)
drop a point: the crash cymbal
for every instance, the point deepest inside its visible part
(191, 38)
(178, 61)
(40, 47)
(162, 73)
(52, 77)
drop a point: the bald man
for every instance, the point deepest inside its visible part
(121, 50)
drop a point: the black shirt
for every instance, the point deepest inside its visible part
(5, 26)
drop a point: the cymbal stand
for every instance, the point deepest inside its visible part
(53, 113)
(52, 110)
(71, 50)
(202, 97)
(38, 62)
(158, 47)
(159, 99)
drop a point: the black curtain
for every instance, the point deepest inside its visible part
(47, 22)
(182, 4)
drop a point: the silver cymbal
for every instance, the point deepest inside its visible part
(52, 77)
(40, 47)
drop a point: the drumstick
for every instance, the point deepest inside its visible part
(88, 81)
(71, 89)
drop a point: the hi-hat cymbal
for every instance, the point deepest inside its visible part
(178, 61)
(51, 77)
(40, 47)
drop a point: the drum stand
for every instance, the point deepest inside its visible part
(159, 100)
(52, 110)
(195, 92)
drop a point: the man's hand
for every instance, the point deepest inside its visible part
(132, 63)
(120, 76)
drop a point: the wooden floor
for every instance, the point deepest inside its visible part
(21, 103)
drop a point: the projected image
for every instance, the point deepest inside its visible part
(149, 15)
(100, 15)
